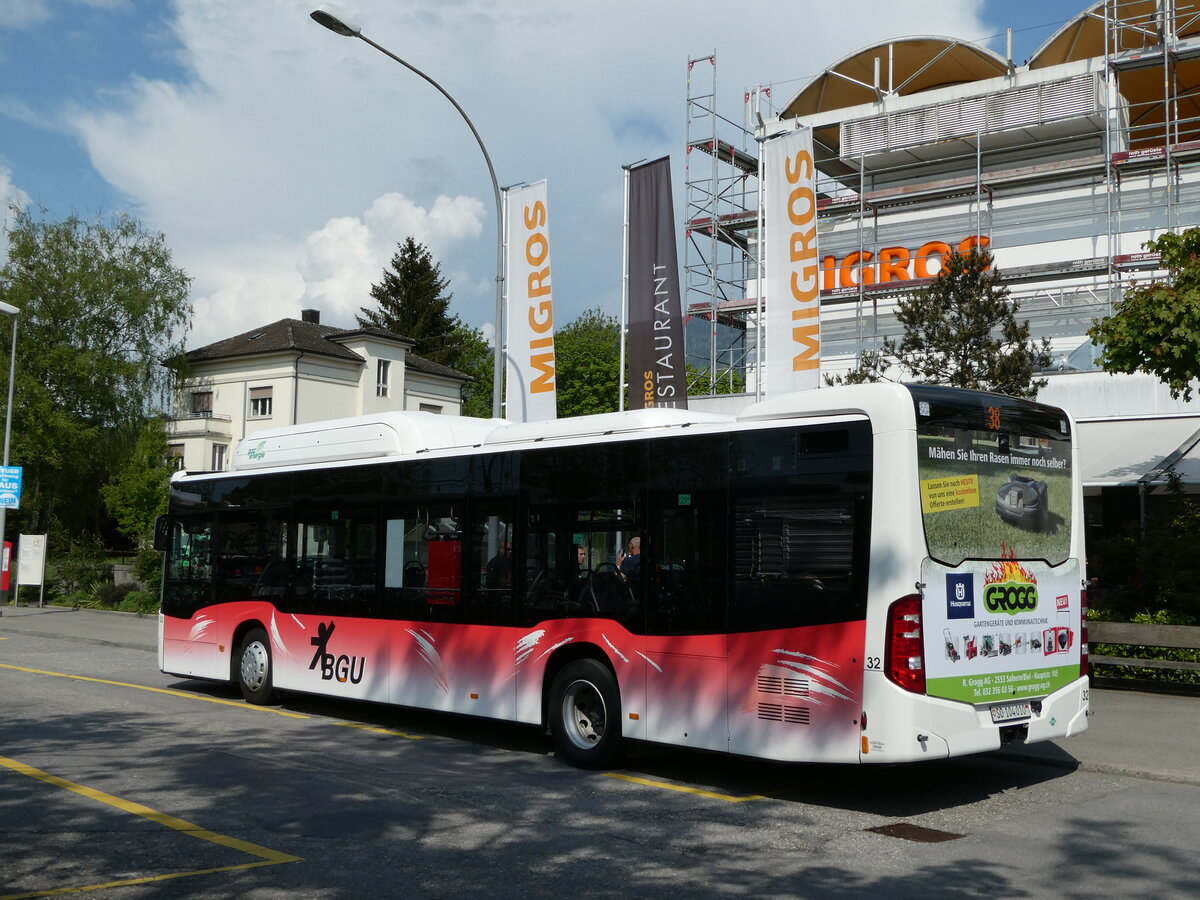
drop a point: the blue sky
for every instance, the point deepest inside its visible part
(284, 163)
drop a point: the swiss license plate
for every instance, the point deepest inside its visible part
(1007, 712)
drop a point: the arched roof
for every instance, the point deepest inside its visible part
(919, 63)
(1136, 28)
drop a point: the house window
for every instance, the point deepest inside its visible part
(201, 404)
(431, 407)
(175, 457)
(260, 402)
(382, 368)
(218, 457)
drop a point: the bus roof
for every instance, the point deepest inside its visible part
(403, 434)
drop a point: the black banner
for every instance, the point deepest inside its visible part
(657, 366)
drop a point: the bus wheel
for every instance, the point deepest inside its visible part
(254, 667)
(585, 715)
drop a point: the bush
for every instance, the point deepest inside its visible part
(80, 571)
(140, 602)
(110, 596)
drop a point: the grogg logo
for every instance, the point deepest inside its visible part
(1010, 597)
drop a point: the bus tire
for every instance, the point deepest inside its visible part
(585, 715)
(255, 668)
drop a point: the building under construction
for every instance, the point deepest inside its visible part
(1062, 166)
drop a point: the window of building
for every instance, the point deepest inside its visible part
(260, 402)
(218, 457)
(175, 457)
(202, 404)
(382, 370)
(431, 408)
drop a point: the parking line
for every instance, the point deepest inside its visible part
(411, 737)
(711, 795)
(264, 855)
(156, 690)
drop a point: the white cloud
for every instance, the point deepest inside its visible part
(288, 166)
(331, 269)
(10, 196)
(21, 14)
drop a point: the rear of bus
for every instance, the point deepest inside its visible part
(987, 645)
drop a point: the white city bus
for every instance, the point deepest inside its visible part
(876, 573)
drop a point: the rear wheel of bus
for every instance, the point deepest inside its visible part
(585, 715)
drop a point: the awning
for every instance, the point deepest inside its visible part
(1123, 451)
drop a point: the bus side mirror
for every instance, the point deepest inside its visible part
(162, 533)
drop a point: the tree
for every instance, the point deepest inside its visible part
(103, 312)
(413, 302)
(136, 493)
(1156, 328)
(961, 330)
(587, 355)
(476, 361)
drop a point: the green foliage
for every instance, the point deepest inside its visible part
(79, 572)
(476, 361)
(587, 355)
(413, 302)
(1156, 328)
(137, 493)
(103, 308)
(700, 382)
(1161, 573)
(961, 330)
(147, 568)
(141, 602)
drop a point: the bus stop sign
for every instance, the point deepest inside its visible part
(10, 487)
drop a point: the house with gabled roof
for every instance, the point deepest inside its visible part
(295, 371)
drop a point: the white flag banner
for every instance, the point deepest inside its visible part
(792, 284)
(529, 384)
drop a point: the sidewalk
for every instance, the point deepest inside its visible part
(116, 629)
(1130, 733)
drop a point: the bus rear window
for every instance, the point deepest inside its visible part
(995, 477)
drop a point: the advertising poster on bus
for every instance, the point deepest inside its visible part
(1001, 618)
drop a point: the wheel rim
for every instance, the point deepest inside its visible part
(254, 666)
(584, 714)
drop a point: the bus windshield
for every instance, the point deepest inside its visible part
(995, 477)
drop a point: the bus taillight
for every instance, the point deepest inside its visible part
(904, 660)
(1083, 634)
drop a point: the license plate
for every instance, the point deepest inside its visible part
(1007, 712)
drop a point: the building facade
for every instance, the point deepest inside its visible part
(295, 371)
(1062, 166)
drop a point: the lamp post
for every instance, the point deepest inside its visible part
(337, 23)
(8, 309)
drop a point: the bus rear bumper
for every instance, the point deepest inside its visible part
(949, 728)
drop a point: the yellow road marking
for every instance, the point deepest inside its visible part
(265, 855)
(411, 737)
(168, 691)
(711, 795)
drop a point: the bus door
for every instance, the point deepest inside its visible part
(683, 579)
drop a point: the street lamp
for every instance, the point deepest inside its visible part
(339, 24)
(8, 309)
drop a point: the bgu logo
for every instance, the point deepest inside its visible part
(340, 668)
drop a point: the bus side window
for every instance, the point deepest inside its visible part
(798, 559)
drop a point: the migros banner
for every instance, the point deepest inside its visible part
(792, 276)
(529, 393)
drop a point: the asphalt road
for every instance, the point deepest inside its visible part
(116, 777)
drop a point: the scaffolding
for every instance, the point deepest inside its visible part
(721, 191)
(1068, 164)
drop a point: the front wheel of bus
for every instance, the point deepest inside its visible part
(585, 715)
(254, 668)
